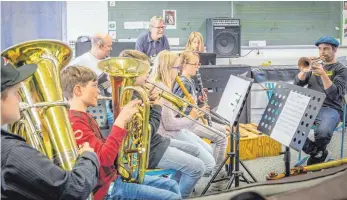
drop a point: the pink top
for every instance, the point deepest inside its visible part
(170, 125)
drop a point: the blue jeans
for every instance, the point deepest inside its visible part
(182, 157)
(109, 114)
(204, 148)
(326, 122)
(152, 188)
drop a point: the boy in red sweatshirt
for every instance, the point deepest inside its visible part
(80, 88)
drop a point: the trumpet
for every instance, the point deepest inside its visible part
(181, 105)
(305, 63)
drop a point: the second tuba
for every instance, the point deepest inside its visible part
(133, 155)
(44, 119)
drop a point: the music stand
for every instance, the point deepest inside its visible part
(230, 108)
(289, 116)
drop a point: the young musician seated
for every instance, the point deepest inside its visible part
(331, 79)
(195, 43)
(164, 74)
(168, 153)
(81, 89)
(189, 61)
(25, 172)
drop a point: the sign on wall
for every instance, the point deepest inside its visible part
(170, 19)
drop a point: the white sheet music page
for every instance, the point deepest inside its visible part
(290, 118)
(232, 98)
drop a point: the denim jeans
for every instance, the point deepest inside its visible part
(153, 188)
(220, 141)
(326, 122)
(109, 114)
(182, 157)
(204, 148)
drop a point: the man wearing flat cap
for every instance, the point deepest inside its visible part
(25, 172)
(331, 79)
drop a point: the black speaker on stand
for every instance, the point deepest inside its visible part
(223, 37)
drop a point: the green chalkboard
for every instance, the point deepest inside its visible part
(279, 23)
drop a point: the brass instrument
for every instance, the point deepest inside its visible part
(304, 169)
(133, 154)
(44, 120)
(181, 104)
(305, 64)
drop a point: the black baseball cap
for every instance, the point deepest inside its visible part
(11, 76)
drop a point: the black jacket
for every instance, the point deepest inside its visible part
(28, 174)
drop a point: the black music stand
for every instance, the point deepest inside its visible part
(234, 154)
(289, 116)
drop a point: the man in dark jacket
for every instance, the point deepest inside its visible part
(331, 79)
(25, 172)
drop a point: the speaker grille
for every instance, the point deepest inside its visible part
(223, 37)
(225, 43)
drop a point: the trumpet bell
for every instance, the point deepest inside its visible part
(124, 67)
(304, 64)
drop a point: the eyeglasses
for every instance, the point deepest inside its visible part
(159, 27)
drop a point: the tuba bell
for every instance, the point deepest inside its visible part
(44, 120)
(133, 154)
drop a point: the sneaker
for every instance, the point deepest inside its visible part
(321, 157)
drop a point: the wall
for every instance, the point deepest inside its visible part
(276, 22)
(86, 18)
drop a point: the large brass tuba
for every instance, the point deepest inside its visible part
(133, 154)
(44, 122)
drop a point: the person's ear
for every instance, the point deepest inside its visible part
(77, 90)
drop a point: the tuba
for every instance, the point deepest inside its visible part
(44, 119)
(133, 154)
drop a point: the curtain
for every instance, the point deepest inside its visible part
(23, 21)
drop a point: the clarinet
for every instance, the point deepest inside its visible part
(205, 100)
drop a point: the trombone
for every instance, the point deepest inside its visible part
(183, 104)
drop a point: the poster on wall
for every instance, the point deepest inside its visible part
(112, 25)
(344, 40)
(170, 19)
(113, 34)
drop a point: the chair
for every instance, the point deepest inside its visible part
(99, 114)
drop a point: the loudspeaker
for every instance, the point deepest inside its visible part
(223, 37)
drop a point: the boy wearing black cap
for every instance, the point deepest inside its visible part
(330, 79)
(25, 172)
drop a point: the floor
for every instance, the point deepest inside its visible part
(262, 166)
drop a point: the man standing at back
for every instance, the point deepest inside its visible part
(153, 41)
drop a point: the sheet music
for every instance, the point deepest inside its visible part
(232, 98)
(290, 118)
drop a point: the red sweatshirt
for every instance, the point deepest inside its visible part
(86, 129)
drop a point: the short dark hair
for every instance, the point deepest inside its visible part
(73, 75)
